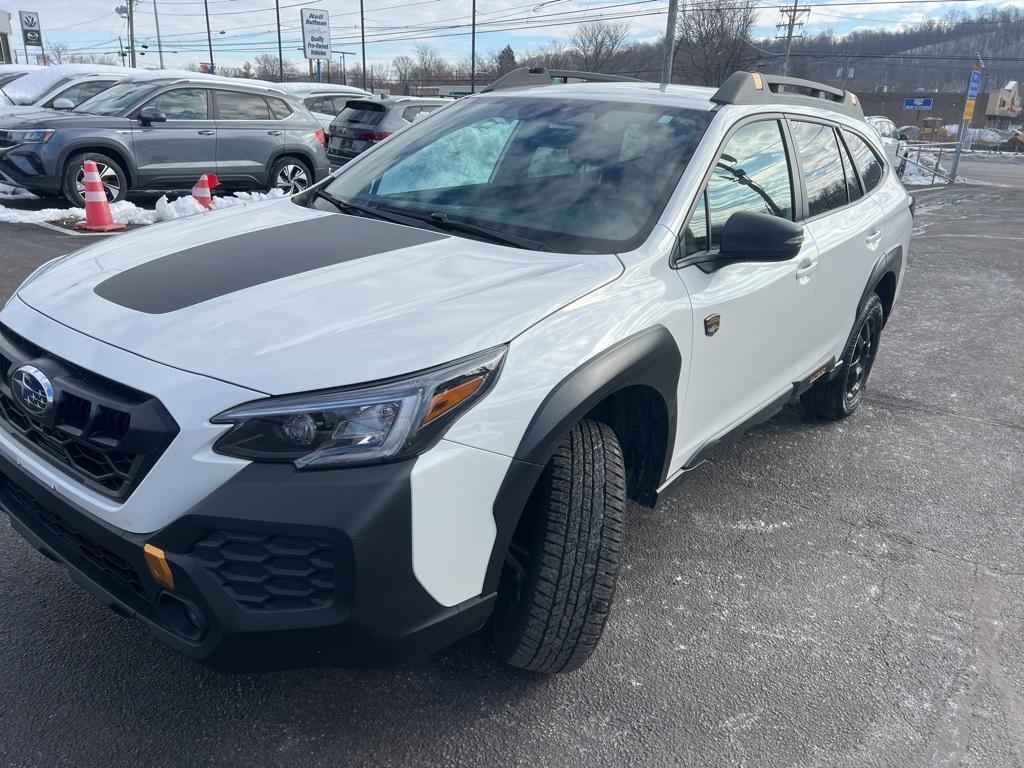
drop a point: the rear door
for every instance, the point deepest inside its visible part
(845, 223)
(750, 319)
(174, 154)
(248, 137)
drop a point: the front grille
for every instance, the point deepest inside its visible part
(270, 573)
(77, 543)
(104, 434)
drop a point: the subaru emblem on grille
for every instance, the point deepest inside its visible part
(32, 389)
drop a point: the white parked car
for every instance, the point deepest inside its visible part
(324, 100)
(66, 93)
(893, 141)
(351, 426)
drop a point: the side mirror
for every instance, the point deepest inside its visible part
(151, 115)
(63, 104)
(750, 236)
(902, 137)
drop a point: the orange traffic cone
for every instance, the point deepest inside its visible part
(97, 210)
(201, 191)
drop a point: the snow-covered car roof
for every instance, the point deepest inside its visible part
(308, 89)
(26, 89)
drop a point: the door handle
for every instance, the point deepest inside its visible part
(207, 133)
(274, 133)
(873, 239)
(805, 268)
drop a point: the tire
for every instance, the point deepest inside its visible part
(551, 610)
(113, 176)
(290, 174)
(838, 398)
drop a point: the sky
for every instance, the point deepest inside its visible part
(242, 29)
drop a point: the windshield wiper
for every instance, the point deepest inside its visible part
(442, 221)
(370, 211)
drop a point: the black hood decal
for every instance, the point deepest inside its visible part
(194, 275)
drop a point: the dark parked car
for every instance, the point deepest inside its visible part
(365, 122)
(161, 135)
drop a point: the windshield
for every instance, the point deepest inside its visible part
(116, 99)
(574, 176)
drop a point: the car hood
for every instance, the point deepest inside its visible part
(281, 298)
(40, 117)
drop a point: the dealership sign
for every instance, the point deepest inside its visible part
(316, 33)
(31, 33)
(923, 103)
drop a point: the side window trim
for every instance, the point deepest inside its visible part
(864, 192)
(679, 259)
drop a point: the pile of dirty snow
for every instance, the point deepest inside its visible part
(125, 212)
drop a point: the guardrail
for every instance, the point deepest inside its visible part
(932, 162)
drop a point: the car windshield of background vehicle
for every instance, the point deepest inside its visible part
(575, 176)
(115, 99)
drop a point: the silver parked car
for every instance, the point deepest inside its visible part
(365, 122)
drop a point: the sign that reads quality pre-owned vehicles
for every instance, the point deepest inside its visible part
(316, 33)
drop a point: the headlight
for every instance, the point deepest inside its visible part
(39, 136)
(383, 422)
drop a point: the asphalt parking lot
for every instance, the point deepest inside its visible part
(819, 595)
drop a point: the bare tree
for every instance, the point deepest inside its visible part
(430, 64)
(57, 53)
(596, 42)
(714, 41)
(265, 67)
(403, 67)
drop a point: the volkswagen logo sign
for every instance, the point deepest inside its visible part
(32, 389)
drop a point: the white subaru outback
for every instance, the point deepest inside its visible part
(353, 426)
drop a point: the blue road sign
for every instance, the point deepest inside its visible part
(923, 103)
(972, 92)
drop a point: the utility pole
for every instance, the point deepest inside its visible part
(344, 73)
(280, 51)
(131, 32)
(362, 36)
(970, 97)
(209, 37)
(670, 42)
(472, 54)
(159, 45)
(792, 15)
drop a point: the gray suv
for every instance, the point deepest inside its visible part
(161, 135)
(365, 122)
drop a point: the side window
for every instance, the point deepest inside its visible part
(279, 108)
(852, 184)
(817, 147)
(752, 174)
(695, 236)
(866, 160)
(410, 113)
(315, 104)
(82, 91)
(182, 104)
(462, 158)
(333, 105)
(233, 105)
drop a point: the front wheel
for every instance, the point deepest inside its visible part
(838, 398)
(112, 176)
(560, 573)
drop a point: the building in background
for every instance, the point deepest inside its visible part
(1004, 106)
(6, 52)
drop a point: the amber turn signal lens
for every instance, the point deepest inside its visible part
(758, 80)
(158, 566)
(446, 399)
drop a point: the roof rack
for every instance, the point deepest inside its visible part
(528, 76)
(760, 88)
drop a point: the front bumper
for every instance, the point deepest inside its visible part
(29, 167)
(284, 569)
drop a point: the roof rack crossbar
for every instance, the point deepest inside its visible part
(761, 88)
(529, 76)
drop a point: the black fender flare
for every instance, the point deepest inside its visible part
(890, 261)
(120, 151)
(649, 358)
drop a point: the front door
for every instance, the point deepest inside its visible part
(174, 154)
(750, 335)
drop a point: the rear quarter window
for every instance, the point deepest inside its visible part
(867, 162)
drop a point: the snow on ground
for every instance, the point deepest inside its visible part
(126, 212)
(914, 175)
(8, 192)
